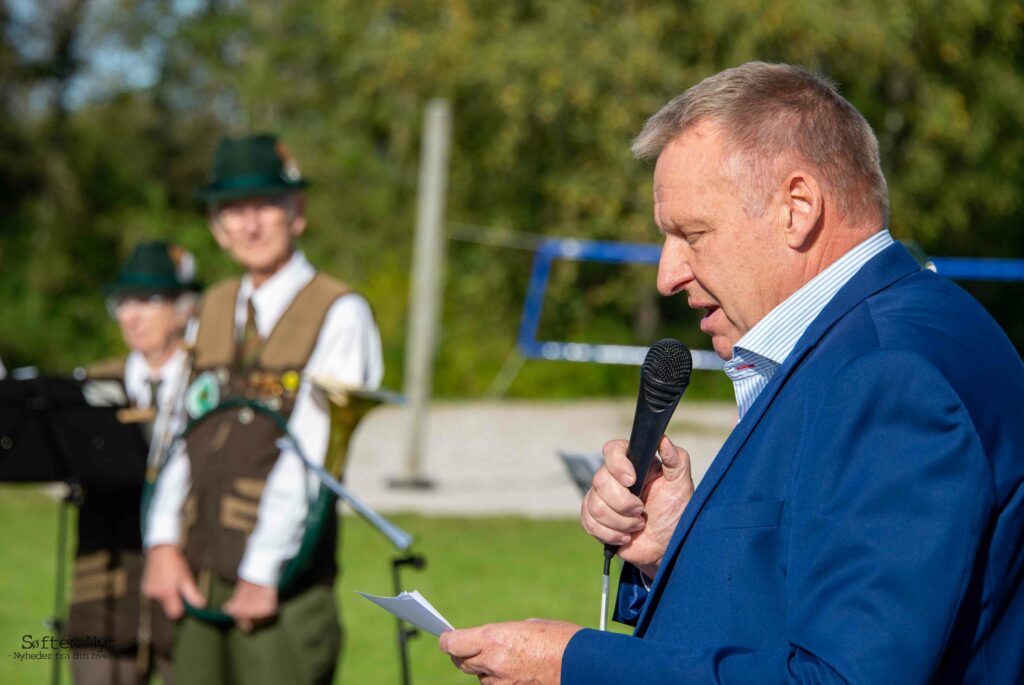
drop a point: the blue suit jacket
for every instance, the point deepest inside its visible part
(863, 523)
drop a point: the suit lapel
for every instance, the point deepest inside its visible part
(889, 266)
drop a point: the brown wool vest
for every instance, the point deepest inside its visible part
(106, 601)
(232, 451)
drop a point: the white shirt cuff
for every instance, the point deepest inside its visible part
(260, 567)
(162, 530)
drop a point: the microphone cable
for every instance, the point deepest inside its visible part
(609, 552)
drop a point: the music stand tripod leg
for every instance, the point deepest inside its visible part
(404, 633)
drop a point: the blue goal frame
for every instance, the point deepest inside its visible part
(552, 249)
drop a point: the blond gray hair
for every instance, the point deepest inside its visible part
(771, 112)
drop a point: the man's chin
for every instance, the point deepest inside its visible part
(255, 263)
(137, 344)
(722, 347)
(262, 263)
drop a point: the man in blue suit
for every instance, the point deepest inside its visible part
(864, 522)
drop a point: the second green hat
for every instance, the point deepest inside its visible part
(155, 268)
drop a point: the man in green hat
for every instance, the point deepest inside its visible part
(229, 515)
(123, 637)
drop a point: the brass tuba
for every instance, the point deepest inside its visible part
(348, 406)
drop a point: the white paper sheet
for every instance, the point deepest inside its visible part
(413, 608)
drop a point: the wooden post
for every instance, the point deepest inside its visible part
(427, 285)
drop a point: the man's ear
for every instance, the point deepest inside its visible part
(298, 222)
(217, 232)
(802, 207)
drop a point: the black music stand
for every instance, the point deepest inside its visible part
(60, 429)
(581, 468)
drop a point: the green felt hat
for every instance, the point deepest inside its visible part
(251, 166)
(155, 268)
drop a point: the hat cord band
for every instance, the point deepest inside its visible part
(252, 181)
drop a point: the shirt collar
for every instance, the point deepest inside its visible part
(746, 363)
(137, 375)
(275, 294)
(774, 337)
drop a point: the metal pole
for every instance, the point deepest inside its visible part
(56, 622)
(404, 633)
(426, 287)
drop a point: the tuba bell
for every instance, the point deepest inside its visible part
(347, 406)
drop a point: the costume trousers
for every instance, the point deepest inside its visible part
(103, 667)
(300, 647)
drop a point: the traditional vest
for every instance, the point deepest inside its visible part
(106, 603)
(232, 451)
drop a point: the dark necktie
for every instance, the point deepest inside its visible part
(154, 392)
(154, 406)
(252, 343)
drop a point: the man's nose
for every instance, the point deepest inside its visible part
(128, 315)
(674, 271)
(250, 220)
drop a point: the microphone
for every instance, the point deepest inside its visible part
(664, 376)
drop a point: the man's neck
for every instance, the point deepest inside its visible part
(832, 246)
(156, 360)
(260, 277)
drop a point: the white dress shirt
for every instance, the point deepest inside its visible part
(137, 375)
(763, 349)
(348, 349)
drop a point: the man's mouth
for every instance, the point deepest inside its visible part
(706, 323)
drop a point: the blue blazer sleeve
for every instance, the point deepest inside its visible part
(889, 500)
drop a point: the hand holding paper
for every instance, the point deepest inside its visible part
(510, 653)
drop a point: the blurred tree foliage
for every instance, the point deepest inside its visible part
(546, 97)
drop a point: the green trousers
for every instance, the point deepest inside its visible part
(302, 646)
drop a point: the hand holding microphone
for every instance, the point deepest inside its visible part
(613, 511)
(640, 529)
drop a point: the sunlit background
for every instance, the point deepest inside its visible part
(110, 111)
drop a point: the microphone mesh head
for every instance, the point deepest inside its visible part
(668, 362)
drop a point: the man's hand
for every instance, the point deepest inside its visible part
(641, 528)
(251, 605)
(167, 579)
(518, 653)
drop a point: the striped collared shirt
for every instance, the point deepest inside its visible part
(763, 349)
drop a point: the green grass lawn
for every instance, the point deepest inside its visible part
(478, 570)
